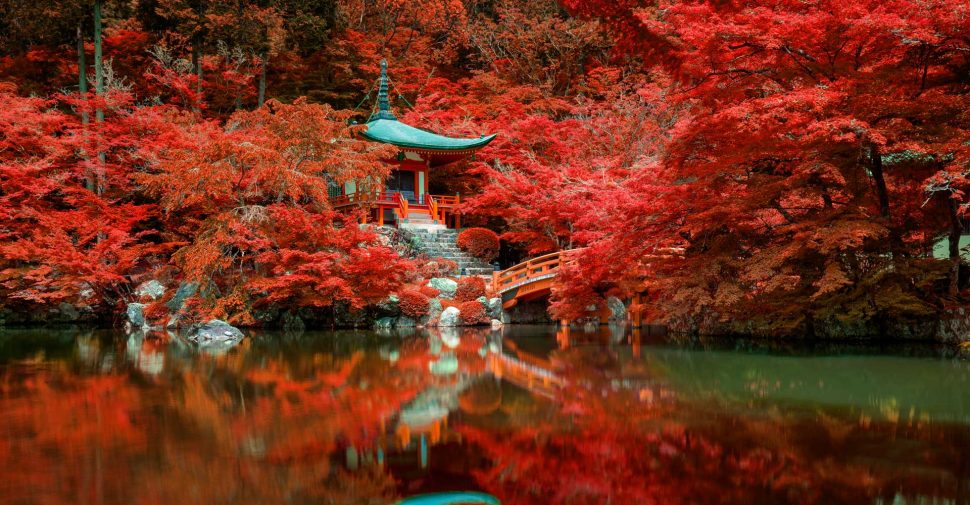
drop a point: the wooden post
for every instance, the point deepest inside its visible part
(495, 282)
(457, 215)
(380, 216)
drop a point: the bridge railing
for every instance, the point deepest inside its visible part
(536, 268)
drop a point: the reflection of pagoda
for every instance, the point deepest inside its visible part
(454, 364)
(405, 197)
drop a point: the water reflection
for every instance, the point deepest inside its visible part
(528, 414)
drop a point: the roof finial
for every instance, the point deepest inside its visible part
(383, 105)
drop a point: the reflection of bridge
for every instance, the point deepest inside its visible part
(529, 373)
(534, 279)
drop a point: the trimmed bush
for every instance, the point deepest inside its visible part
(469, 288)
(481, 243)
(473, 312)
(413, 303)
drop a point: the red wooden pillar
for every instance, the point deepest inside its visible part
(457, 215)
(636, 342)
(563, 336)
(636, 311)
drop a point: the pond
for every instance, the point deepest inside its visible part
(529, 415)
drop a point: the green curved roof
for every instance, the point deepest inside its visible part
(392, 131)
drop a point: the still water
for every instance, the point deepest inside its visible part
(526, 414)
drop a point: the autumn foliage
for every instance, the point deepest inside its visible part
(786, 166)
(437, 267)
(473, 312)
(470, 288)
(481, 243)
(413, 303)
(429, 291)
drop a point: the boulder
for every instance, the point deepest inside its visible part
(617, 309)
(136, 315)
(292, 322)
(184, 291)
(215, 332)
(389, 306)
(495, 310)
(384, 323)
(450, 317)
(150, 289)
(434, 309)
(348, 318)
(68, 312)
(496, 324)
(445, 286)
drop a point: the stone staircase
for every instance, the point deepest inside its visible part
(437, 241)
(421, 220)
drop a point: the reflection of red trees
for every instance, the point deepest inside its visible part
(245, 427)
(64, 438)
(640, 445)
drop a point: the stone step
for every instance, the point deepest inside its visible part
(442, 243)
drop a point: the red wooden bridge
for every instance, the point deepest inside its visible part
(528, 280)
(534, 279)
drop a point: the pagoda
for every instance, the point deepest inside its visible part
(404, 199)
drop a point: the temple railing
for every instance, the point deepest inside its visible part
(445, 201)
(444, 205)
(439, 207)
(365, 198)
(433, 208)
(402, 207)
(442, 202)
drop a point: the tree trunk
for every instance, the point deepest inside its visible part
(197, 66)
(956, 230)
(262, 80)
(98, 65)
(82, 74)
(882, 194)
(875, 163)
(82, 87)
(98, 86)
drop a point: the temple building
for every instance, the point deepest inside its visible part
(404, 198)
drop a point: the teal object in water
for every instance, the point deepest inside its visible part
(451, 498)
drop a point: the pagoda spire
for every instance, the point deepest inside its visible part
(383, 104)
